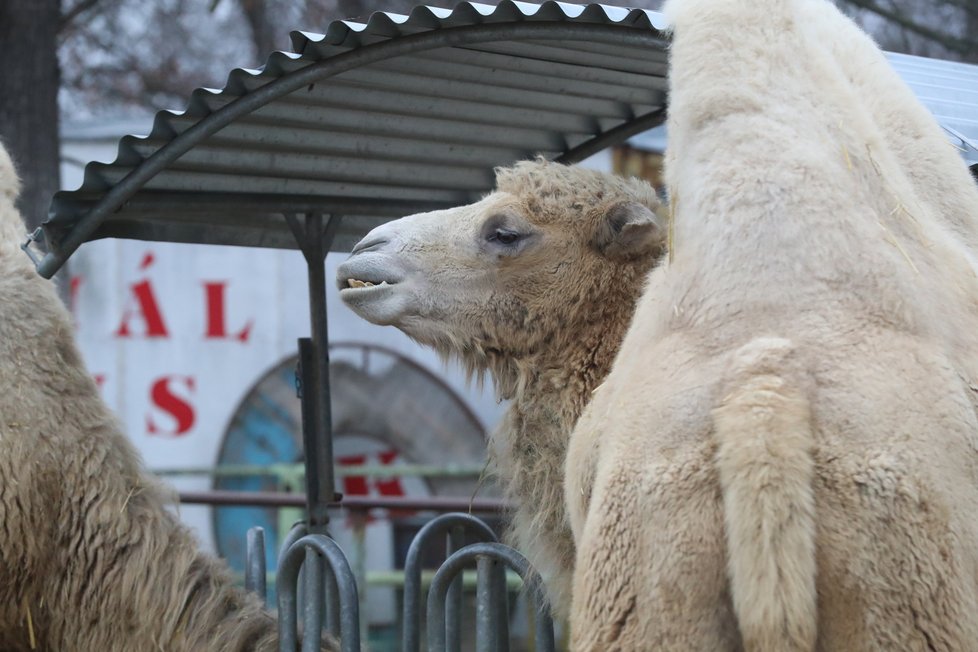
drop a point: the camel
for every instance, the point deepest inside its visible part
(534, 284)
(90, 556)
(783, 456)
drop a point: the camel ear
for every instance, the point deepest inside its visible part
(631, 230)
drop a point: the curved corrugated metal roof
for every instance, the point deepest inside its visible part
(950, 90)
(398, 114)
(374, 120)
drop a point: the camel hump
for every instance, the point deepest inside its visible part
(679, 13)
(764, 439)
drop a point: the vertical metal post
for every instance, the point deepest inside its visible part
(255, 572)
(308, 375)
(313, 575)
(543, 621)
(453, 605)
(359, 519)
(499, 606)
(314, 235)
(328, 583)
(316, 502)
(486, 634)
(319, 451)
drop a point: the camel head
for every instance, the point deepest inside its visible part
(515, 275)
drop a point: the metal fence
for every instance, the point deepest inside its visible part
(315, 583)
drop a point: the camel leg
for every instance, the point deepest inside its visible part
(651, 568)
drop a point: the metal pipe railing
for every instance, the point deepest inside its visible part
(455, 526)
(313, 564)
(346, 470)
(300, 553)
(276, 499)
(482, 554)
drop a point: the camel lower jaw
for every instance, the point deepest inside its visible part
(382, 304)
(370, 291)
(374, 287)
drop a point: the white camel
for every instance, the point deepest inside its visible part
(783, 457)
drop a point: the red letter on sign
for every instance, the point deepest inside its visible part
(214, 297)
(354, 485)
(178, 408)
(147, 307)
(390, 486)
(73, 287)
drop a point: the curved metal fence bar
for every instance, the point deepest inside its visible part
(285, 586)
(315, 72)
(255, 563)
(311, 583)
(493, 551)
(455, 526)
(298, 531)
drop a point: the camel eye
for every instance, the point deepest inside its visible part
(503, 236)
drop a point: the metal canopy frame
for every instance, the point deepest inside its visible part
(463, 91)
(62, 245)
(131, 208)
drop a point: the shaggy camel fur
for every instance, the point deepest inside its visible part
(536, 283)
(932, 166)
(90, 558)
(804, 475)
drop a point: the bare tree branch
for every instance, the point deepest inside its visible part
(80, 7)
(949, 41)
(969, 6)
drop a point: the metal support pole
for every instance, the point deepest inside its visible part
(314, 235)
